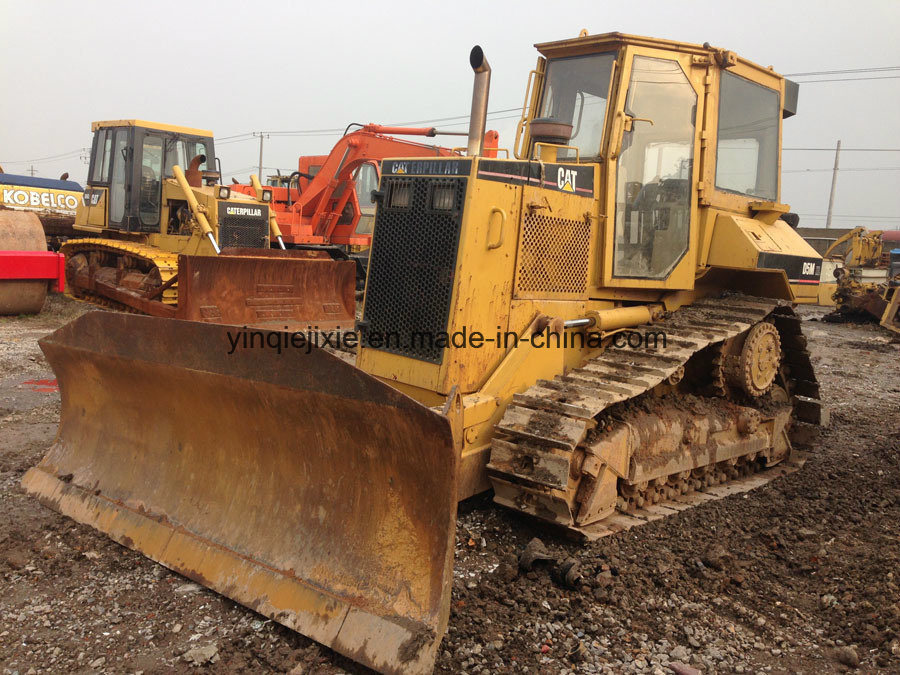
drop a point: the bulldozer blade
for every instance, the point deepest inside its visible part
(295, 484)
(279, 290)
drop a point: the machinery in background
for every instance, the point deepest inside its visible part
(54, 202)
(595, 329)
(890, 319)
(27, 269)
(173, 242)
(863, 273)
(327, 205)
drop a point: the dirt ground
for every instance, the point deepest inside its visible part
(800, 575)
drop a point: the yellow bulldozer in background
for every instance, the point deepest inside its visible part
(866, 275)
(593, 329)
(173, 242)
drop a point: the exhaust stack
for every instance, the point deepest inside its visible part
(480, 92)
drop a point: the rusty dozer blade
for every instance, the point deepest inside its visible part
(295, 484)
(268, 289)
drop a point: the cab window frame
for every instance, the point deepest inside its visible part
(774, 152)
(547, 102)
(101, 156)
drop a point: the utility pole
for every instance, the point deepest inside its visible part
(32, 171)
(261, 136)
(837, 157)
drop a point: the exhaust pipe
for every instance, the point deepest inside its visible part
(480, 92)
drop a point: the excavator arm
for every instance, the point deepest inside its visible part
(324, 199)
(311, 215)
(864, 249)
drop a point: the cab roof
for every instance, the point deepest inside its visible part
(158, 126)
(589, 44)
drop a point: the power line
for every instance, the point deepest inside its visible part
(846, 70)
(225, 138)
(63, 155)
(867, 216)
(331, 132)
(850, 79)
(846, 149)
(456, 117)
(854, 168)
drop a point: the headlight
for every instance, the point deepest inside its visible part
(224, 192)
(443, 198)
(267, 196)
(400, 194)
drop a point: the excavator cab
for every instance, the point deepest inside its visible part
(130, 159)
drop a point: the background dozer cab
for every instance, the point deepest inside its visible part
(327, 203)
(497, 349)
(169, 240)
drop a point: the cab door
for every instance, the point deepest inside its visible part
(653, 175)
(120, 178)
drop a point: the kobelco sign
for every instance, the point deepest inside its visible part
(29, 198)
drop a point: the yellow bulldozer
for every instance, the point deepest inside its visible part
(596, 329)
(866, 277)
(166, 238)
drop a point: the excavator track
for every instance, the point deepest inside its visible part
(127, 255)
(639, 433)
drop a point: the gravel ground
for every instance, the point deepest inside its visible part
(800, 575)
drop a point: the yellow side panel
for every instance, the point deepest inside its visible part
(484, 274)
(555, 260)
(737, 241)
(93, 216)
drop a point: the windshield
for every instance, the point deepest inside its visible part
(575, 92)
(181, 151)
(747, 150)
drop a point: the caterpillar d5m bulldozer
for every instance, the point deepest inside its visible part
(597, 328)
(173, 242)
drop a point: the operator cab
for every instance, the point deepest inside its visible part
(130, 159)
(646, 111)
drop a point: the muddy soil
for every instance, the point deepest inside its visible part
(800, 575)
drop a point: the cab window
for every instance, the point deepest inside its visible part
(181, 152)
(575, 93)
(151, 180)
(119, 184)
(653, 182)
(366, 179)
(102, 155)
(747, 146)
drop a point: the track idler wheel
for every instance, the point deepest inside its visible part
(754, 370)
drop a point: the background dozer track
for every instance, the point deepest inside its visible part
(188, 455)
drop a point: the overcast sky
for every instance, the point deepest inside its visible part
(237, 67)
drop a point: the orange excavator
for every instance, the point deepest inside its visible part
(327, 203)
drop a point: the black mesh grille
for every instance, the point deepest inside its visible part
(243, 232)
(412, 264)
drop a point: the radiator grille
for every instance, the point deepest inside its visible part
(411, 267)
(243, 232)
(553, 255)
